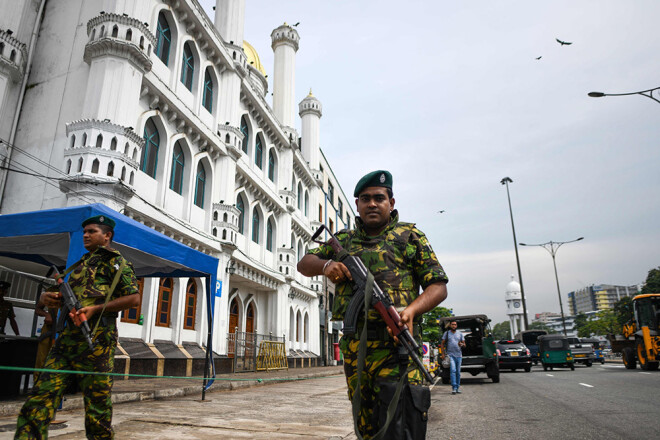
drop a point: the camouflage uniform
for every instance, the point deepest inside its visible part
(90, 281)
(402, 261)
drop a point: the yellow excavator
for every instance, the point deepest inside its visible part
(641, 336)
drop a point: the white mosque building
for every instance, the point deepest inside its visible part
(159, 111)
(514, 307)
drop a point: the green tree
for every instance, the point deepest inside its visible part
(623, 309)
(431, 331)
(580, 324)
(538, 325)
(502, 330)
(652, 284)
(604, 323)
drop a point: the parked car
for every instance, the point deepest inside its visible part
(555, 351)
(582, 353)
(513, 354)
(479, 353)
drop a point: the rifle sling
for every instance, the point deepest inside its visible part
(109, 294)
(362, 351)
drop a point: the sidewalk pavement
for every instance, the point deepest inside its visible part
(133, 390)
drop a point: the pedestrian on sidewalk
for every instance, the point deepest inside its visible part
(452, 343)
(92, 280)
(401, 259)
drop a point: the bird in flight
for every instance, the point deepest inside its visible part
(440, 212)
(563, 42)
(294, 25)
(538, 58)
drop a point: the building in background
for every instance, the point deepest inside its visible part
(157, 111)
(598, 297)
(545, 317)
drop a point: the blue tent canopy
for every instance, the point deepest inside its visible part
(54, 237)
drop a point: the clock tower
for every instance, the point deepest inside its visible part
(514, 307)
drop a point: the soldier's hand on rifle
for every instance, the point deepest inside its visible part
(87, 311)
(51, 299)
(336, 272)
(407, 317)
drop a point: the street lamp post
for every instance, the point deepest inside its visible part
(505, 181)
(648, 93)
(552, 247)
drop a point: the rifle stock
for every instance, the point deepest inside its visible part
(379, 301)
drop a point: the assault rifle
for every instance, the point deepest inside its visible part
(379, 301)
(70, 307)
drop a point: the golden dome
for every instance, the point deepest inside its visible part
(253, 57)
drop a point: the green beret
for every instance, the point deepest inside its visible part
(380, 178)
(100, 220)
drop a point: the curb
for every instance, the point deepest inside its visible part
(75, 402)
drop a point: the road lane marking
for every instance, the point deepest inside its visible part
(551, 375)
(643, 372)
(586, 385)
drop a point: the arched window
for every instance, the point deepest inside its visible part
(73, 141)
(256, 222)
(164, 302)
(111, 169)
(123, 173)
(306, 203)
(300, 196)
(95, 166)
(246, 134)
(187, 67)
(233, 317)
(191, 305)
(258, 152)
(215, 215)
(12, 56)
(207, 97)
(115, 31)
(113, 144)
(241, 214)
(68, 166)
(132, 315)
(200, 182)
(163, 39)
(129, 35)
(150, 156)
(269, 236)
(271, 166)
(84, 140)
(178, 163)
(99, 141)
(299, 252)
(80, 164)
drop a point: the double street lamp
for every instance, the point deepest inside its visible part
(552, 247)
(648, 93)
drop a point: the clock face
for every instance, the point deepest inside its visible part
(516, 304)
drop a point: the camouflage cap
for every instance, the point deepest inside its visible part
(380, 178)
(99, 220)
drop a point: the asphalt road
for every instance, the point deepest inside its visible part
(601, 402)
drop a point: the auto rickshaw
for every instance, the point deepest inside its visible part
(555, 352)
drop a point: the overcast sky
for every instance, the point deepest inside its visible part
(449, 96)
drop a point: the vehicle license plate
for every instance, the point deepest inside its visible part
(514, 353)
(579, 355)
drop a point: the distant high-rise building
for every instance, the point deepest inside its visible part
(598, 297)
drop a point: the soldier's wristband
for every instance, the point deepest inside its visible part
(327, 263)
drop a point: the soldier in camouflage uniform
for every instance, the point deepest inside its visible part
(90, 281)
(6, 310)
(401, 260)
